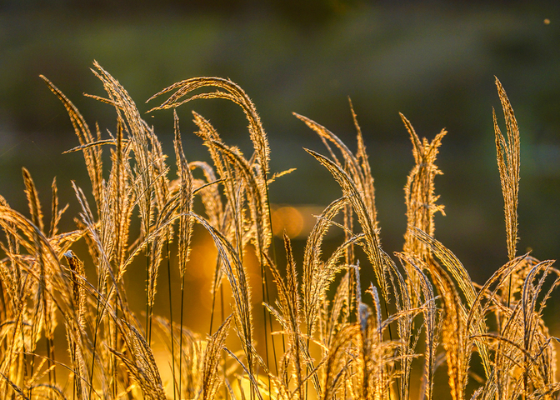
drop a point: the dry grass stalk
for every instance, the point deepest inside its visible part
(339, 343)
(509, 166)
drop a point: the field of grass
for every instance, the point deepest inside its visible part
(69, 331)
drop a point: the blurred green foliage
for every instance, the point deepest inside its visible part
(434, 61)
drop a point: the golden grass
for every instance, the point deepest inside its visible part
(330, 338)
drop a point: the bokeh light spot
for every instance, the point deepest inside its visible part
(287, 219)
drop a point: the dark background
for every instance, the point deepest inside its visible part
(433, 61)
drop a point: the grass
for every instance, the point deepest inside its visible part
(328, 335)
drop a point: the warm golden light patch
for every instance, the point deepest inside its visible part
(287, 219)
(202, 263)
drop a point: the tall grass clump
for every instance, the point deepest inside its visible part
(328, 335)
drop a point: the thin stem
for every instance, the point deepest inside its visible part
(181, 335)
(222, 309)
(390, 333)
(214, 296)
(264, 295)
(148, 316)
(266, 282)
(171, 317)
(115, 339)
(509, 291)
(97, 322)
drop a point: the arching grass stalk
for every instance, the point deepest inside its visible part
(336, 341)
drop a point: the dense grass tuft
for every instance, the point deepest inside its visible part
(328, 336)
